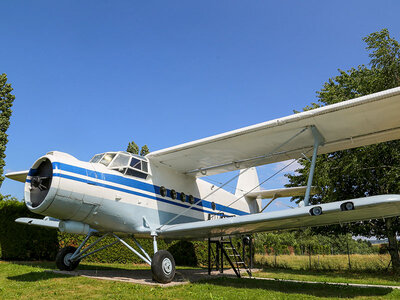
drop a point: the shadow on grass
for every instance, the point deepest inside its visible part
(82, 266)
(36, 276)
(318, 290)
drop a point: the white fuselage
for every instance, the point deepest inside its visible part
(107, 200)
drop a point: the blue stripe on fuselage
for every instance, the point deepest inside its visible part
(135, 184)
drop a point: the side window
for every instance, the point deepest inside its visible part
(144, 166)
(135, 163)
(135, 173)
(138, 168)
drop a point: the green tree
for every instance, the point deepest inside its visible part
(144, 151)
(364, 171)
(6, 102)
(134, 148)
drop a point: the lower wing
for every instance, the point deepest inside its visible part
(339, 212)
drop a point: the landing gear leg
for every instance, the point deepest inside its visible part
(162, 264)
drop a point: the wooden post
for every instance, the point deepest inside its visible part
(222, 258)
(251, 252)
(209, 256)
(348, 251)
(217, 255)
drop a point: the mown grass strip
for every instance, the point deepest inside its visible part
(31, 281)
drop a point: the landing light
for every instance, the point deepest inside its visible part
(316, 211)
(347, 206)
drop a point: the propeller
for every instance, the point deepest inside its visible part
(37, 182)
(41, 182)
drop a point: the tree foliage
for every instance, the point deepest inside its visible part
(144, 151)
(6, 102)
(364, 171)
(302, 242)
(134, 148)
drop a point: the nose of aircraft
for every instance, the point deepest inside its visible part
(40, 181)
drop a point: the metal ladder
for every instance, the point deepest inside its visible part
(227, 249)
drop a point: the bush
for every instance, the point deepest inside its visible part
(185, 253)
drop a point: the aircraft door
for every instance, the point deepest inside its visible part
(91, 196)
(94, 195)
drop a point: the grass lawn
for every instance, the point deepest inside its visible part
(380, 278)
(21, 280)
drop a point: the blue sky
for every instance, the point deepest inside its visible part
(90, 76)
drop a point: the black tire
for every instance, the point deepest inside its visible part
(62, 261)
(163, 266)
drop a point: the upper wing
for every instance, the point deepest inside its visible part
(362, 121)
(374, 207)
(18, 176)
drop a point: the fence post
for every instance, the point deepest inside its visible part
(348, 251)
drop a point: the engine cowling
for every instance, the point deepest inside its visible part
(48, 192)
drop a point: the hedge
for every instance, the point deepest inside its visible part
(22, 242)
(184, 252)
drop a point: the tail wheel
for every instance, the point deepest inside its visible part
(163, 266)
(63, 259)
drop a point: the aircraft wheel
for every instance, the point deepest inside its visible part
(62, 259)
(163, 266)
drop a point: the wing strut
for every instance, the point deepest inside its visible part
(318, 141)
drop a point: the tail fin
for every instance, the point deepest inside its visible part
(248, 181)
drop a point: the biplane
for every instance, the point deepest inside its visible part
(162, 195)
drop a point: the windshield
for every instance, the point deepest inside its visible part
(96, 158)
(122, 160)
(108, 157)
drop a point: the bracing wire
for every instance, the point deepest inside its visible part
(264, 181)
(230, 180)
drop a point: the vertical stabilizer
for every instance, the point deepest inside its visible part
(247, 182)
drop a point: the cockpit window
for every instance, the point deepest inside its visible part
(135, 163)
(122, 160)
(144, 166)
(108, 157)
(96, 158)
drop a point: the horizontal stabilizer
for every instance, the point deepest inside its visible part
(39, 222)
(18, 176)
(279, 193)
(339, 212)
